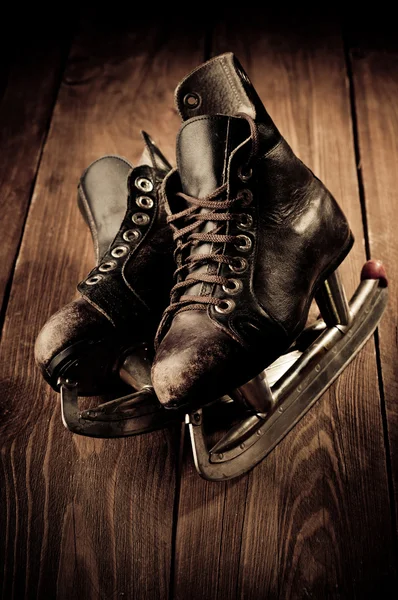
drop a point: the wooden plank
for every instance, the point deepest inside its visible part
(374, 56)
(30, 78)
(80, 517)
(313, 519)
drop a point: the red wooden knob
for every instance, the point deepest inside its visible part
(374, 269)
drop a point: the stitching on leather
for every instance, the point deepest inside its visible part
(99, 309)
(231, 82)
(255, 255)
(196, 70)
(227, 142)
(220, 325)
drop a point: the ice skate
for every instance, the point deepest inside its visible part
(258, 237)
(106, 335)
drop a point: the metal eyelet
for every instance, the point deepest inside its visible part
(140, 218)
(234, 287)
(225, 307)
(246, 244)
(192, 100)
(246, 222)
(144, 184)
(144, 202)
(94, 279)
(119, 251)
(131, 235)
(245, 176)
(109, 265)
(245, 197)
(243, 264)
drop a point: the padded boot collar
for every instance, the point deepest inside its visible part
(219, 86)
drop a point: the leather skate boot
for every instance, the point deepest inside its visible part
(107, 333)
(257, 234)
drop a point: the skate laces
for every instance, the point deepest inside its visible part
(221, 212)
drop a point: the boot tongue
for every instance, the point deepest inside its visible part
(219, 86)
(204, 146)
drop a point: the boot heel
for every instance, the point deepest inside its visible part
(332, 301)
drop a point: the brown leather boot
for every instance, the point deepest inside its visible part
(123, 297)
(256, 234)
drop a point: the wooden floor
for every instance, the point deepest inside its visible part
(110, 519)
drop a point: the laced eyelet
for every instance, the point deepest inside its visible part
(144, 184)
(245, 221)
(234, 287)
(225, 307)
(119, 251)
(245, 197)
(94, 279)
(140, 218)
(131, 235)
(109, 265)
(241, 266)
(246, 244)
(245, 176)
(144, 202)
(192, 100)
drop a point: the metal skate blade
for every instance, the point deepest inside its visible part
(131, 415)
(281, 365)
(304, 381)
(121, 404)
(241, 431)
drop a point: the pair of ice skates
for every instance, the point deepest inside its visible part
(253, 237)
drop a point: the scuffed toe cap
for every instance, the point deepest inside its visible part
(72, 323)
(196, 362)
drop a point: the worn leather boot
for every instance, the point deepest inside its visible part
(256, 234)
(122, 299)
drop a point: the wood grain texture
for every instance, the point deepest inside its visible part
(313, 519)
(84, 518)
(29, 80)
(375, 69)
